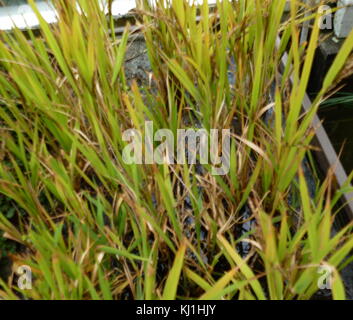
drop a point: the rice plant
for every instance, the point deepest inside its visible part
(342, 98)
(92, 226)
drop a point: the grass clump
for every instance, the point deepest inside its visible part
(96, 227)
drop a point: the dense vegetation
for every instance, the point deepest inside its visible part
(93, 227)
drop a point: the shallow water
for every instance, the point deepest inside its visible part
(338, 122)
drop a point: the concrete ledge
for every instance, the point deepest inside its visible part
(343, 22)
(23, 17)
